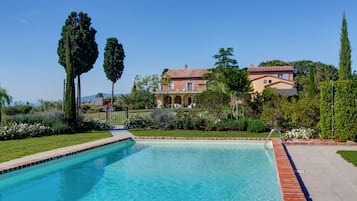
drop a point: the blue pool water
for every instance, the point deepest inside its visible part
(152, 170)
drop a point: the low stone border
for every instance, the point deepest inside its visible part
(290, 186)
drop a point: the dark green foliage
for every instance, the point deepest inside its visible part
(345, 53)
(302, 112)
(113, 61)
(14, 110)
(345, 111)
(311, 90)
(142, 96)
(255, 125)
(214, 102)
(163, 119)
(77, 52)
(84, 49)
(325, 110)
(70, 100)
(237, 125)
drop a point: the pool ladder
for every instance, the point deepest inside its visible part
(271, 132)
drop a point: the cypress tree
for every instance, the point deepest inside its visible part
(311, 90)
(345, 53)
(70, 102)
(113, 61)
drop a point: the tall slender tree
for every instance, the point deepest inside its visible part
(311, 91)
(84, 49)
(345, 71)
(70, 101)
(113, 61)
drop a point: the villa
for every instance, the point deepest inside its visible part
(183, 85)
(278, 77)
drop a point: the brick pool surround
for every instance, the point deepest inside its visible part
(290, 186)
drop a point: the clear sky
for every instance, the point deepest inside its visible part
(158, 34)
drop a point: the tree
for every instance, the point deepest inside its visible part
(345, 53)
(5, 99)
(113, 61)
(70, 101)
(311, 91)
(84, 49)
(227, 78)
(142, 93)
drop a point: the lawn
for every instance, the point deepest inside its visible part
(12, 149)
(196, 133)
(350, 156)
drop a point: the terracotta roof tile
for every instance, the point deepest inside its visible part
(184, 73)
(270, 68)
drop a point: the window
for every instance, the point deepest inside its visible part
(171, 86)
(280, 75)
(265, 81)
(189, 86)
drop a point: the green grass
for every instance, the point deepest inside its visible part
(12, 149)
(196, 133)
(349, 156)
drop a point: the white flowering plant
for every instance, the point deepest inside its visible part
(14, 130)
(300, 133)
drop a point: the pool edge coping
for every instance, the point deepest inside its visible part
(38, 158)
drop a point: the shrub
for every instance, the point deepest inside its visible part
(93, 124)
(14, 110)
(163, 119)
(302, 133)
(184, 120)
(14, 130)
(237, 125)
(255, 125)
(135, 121)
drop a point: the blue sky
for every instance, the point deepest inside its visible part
(158, 34)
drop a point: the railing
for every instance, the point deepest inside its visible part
(271, 132)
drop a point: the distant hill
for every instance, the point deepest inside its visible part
(91, 98)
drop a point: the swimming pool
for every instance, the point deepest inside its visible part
(152, 170)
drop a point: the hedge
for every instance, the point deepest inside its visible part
(325, 109)
(345, 110)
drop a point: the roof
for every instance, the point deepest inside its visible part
(253, 69)
(186, 73)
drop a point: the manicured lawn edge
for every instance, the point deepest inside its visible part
(12, 149)
(349, 156)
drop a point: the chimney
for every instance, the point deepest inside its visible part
(185, 66)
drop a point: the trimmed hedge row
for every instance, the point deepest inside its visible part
(345, 110)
